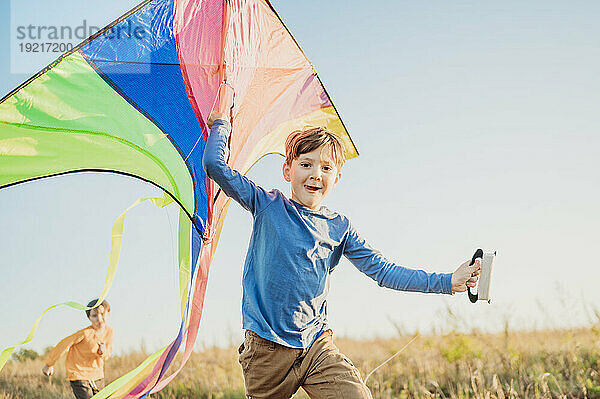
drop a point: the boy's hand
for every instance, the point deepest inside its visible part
(465, 276)
(223, 106)
(48, 370)
(214, 116)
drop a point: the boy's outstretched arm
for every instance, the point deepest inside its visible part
(388, 274)
(59, 349)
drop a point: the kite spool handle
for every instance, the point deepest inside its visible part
(477, 255)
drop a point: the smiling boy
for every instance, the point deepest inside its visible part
(312, 172)
(295, 245)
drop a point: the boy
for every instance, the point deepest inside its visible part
(88, 348)
(295, 245)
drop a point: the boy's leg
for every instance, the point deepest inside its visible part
(82, 389)
(329, 374)
(268, 368)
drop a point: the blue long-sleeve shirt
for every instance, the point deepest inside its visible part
(292, 253)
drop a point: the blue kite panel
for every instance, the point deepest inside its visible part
(138, 57)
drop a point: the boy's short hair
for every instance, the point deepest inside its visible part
(303, 141)
(93, 302)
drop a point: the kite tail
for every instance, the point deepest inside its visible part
(115, 253)
(156, 380)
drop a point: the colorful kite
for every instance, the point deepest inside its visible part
(134, 98)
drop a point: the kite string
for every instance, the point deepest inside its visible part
(211, 109)
(390, 358)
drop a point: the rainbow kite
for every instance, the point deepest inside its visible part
(134, 98)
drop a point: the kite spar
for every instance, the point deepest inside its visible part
(138, 106)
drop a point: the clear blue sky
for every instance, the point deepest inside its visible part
(477, 125)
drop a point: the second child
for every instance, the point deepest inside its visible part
(88, 348)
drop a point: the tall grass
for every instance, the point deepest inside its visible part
(539, 364)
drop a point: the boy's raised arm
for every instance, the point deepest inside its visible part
(236, 186)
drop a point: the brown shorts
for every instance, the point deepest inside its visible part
(276, 371)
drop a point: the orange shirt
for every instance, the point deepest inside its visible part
(83, 361)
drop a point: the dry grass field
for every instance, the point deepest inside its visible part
(538, 364)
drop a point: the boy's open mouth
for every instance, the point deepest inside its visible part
(312, 189)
